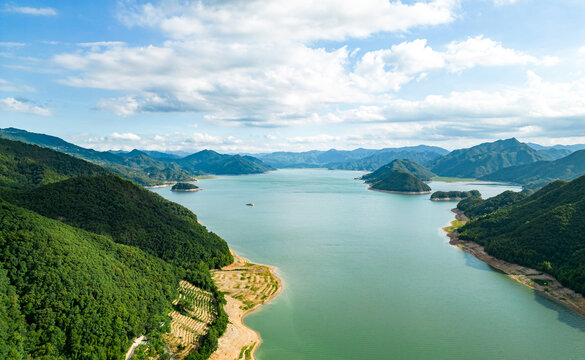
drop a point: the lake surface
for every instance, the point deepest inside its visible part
(371, 275)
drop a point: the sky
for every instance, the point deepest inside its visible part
(278, 75)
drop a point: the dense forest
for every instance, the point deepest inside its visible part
(538, 174)
(484, 159)
(89, 260)
(545, 230)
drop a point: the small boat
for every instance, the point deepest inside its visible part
(250, 204)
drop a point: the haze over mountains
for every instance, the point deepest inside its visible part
(143, 168)
(509, 160)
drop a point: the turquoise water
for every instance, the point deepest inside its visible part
(370, 275)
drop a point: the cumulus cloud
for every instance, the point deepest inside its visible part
(302, 20)
(46, 11)
(125, 136)
(23, 105)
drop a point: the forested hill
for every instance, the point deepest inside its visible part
(23, 165)
(545, 231)
(484, 159)
(542, 172)
(67, 293)
(69, 287)
(404, 165)
(145, 173)
(212, 162)
(400, 176)
(143, 169)
(110, 205)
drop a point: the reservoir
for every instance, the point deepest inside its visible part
(371, 275)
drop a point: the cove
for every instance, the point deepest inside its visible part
(370, 275)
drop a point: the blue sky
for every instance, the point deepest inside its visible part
(258, 75)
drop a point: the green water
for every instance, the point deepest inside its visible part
(370, 275)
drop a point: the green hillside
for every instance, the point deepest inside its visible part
(153, 173)
(70, 286)
(23, 165)
(400, 165)
(484, 159)
(131, 215)
(211, 162)
(545, 231)
(67, 293)
(400, 181)
(542, 172)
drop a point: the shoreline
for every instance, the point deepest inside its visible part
(401, 192)
(239, 340)
(532, 278)
(187, 190)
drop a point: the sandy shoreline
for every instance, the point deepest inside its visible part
(239, 340)
(534, 279)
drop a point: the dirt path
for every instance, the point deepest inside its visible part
(136, 343)
(531, 278)
(247, 286)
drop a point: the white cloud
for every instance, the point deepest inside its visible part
(23, 105)
(11, 44)
(125, 136)
(504, 2)
(97, 44)
(47, 11)
(302, 20)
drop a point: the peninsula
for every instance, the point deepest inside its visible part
(534, 239)
(246, 286)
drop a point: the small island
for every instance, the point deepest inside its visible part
(454, 195)
(401, 176)
(181, 186)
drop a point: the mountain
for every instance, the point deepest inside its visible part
(571, 148)
(484, 159)
(554, 154)
(358, 159)
(400, 176)
(211, 162)
(311, 159)
(89, 260)
(419, 154)
(403, 165)
(542, 172)
(155, 173)
(545, 231)
(24, 165)
(131, 215)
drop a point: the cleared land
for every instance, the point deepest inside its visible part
(246, 286)
(193, 313)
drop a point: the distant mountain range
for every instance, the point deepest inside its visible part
(147, 167)
(358, 159)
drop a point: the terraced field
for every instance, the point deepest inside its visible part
(252, 284)
(194, 312)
